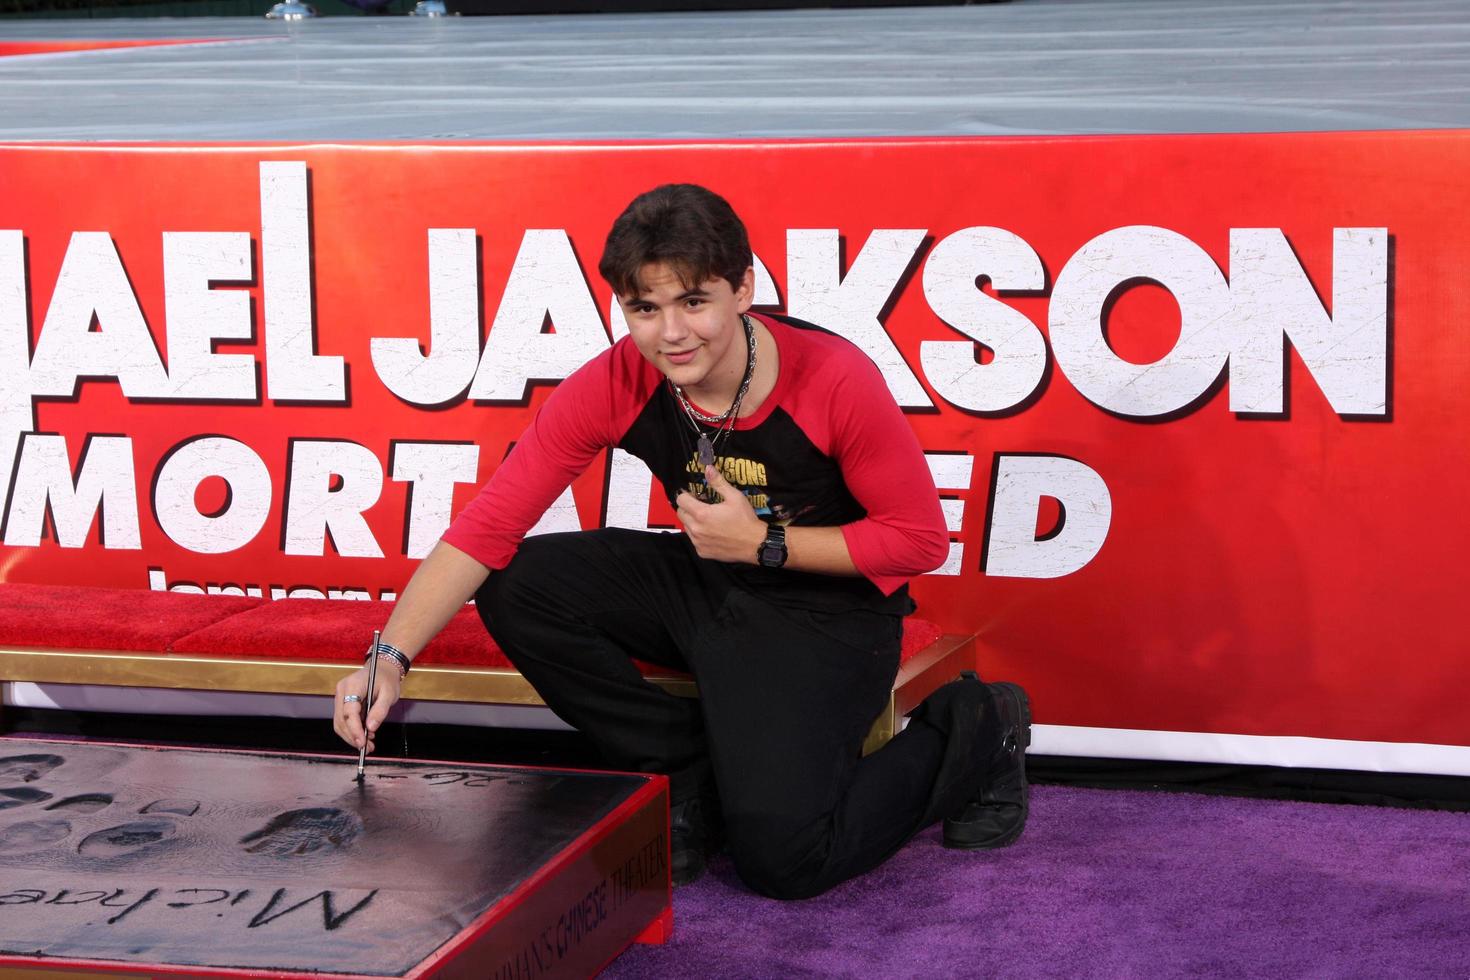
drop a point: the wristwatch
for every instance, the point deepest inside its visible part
(772, 552)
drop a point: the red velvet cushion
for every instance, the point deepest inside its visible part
(917, 634)
(339, 630)
(334, 629)
(76, 618)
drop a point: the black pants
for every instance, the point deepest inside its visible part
(787, 696)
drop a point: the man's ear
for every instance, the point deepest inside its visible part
(745, 295)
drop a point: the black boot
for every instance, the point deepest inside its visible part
(694, 834)
(996, 814)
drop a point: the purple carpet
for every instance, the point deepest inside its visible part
(1110, 883)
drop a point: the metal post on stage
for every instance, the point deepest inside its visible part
(291, 10)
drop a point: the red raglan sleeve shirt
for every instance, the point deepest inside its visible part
(828, 447)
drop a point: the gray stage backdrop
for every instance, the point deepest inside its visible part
(1091, 66)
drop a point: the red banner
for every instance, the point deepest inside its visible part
(1192, 400)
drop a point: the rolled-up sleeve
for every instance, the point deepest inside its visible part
(904, 533)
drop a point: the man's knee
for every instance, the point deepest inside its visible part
(780, 881)
(781, 863)
(518, 591)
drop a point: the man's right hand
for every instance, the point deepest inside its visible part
(347, 715)
(440, 587)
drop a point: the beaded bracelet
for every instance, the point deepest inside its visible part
(394, 656)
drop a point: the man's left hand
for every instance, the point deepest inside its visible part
(727, 531)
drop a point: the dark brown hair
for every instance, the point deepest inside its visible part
(689, 228)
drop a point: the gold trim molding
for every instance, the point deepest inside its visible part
(936, 664)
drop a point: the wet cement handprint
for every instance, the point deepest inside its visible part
(112, 842)
(13, 796)
(27, 768)
(298, 832)
(128, 838)
(84, 803)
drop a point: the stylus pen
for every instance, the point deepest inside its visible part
(367, 704)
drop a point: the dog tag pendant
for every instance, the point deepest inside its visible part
(706, 451)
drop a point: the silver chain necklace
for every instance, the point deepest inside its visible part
(724, 423)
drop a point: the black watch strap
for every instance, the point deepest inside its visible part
(772, 552)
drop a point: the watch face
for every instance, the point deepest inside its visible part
(773, 552)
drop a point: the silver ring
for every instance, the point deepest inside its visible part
(350, 699)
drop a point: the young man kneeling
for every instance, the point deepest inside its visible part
(806, 507)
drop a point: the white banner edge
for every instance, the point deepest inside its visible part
(1288, 751)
